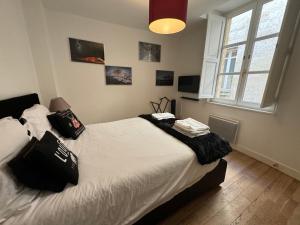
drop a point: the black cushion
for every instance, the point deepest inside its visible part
(67, 124)
(46, 164)
(30, 174)
(57, 158)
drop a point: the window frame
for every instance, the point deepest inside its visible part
(256, 7)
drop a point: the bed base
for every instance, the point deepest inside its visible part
(211, 180)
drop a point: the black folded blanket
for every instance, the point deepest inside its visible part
(208, 148)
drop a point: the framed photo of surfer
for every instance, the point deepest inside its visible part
(149, 52)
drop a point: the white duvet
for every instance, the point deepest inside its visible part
(126, 169)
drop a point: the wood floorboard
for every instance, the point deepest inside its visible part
(253, 193)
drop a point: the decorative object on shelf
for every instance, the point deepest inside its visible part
(167, 16)
(164, 78)
(164, 101)
(58, 105)
(149, 52)
(86, 51)
(118, 75)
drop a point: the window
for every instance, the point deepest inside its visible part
(249, 45)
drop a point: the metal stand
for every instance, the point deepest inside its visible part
(158, 109)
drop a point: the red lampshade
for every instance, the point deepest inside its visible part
(167, 16)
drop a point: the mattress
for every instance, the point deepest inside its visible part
(126, 169)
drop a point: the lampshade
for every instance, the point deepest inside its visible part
(58, 104)
(167, 16)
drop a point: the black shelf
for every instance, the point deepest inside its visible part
(192, 99)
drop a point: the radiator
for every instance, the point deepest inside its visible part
(225, 128)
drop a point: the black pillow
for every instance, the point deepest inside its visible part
(56, 158)
(66, 123)
(30, 174)
(46, 164)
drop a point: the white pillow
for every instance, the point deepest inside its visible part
(14, 197)
(12, 139)
(36, 120)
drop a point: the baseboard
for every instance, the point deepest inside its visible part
(271, 162)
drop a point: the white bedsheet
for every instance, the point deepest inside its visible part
(127, 168)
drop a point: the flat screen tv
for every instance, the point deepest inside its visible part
(189, 83)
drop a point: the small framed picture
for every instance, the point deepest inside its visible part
(149, 52)
(86, 51)
(118, 75)
(164, 78)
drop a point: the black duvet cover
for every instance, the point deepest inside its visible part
(207, 148)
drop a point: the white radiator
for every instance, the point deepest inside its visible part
(225, 128)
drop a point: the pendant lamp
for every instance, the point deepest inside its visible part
(167, 16)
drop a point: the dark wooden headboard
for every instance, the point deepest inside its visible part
(15, 106)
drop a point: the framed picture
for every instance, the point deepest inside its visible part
(86, 51)
(164, 78)
(149, 52)
(118, 75)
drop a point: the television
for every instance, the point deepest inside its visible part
(189, 83)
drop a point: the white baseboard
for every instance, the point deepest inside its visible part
(271, 162)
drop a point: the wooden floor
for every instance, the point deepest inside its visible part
(253, 194)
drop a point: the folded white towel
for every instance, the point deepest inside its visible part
(190, 125)
(162, 116)
(191, 135)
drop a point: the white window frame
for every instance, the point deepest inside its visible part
(256, 7)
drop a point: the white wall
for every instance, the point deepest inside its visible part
(36, 25)
(83, 85)
(17, 73)
(270, 138)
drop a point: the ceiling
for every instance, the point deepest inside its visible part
(134, 13)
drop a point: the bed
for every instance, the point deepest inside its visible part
(125, 176)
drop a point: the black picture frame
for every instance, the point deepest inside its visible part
(149, 52)
(86, 51)
(118, 75)
(164, 78)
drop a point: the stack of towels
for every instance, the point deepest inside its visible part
(191, 128)
(163, 116)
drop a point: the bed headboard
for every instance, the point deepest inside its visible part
(15, 106)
